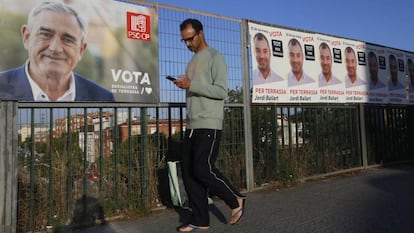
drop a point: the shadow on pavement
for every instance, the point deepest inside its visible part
(393, 210)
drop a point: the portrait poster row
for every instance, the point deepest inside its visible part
(122, 46)
(292, 66)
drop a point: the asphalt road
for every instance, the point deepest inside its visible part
(377, 200)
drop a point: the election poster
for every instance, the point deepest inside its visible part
(354, 62)
(300, 67)
(410, 73)
(111, 47)
(377, 74)
(268, 55)
(292, 66)
(283, 65)
(396, 78)
(330, 78)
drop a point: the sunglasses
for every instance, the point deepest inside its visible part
(190, 39)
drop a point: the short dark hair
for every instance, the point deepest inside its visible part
(324, 45)
(392, 57)
(261, 36)
(372, 54)
(295, 42)
(195, 23)
(350, 50)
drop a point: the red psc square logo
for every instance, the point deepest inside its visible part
(138, 26)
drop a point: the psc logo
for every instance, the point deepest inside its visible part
(138, 26)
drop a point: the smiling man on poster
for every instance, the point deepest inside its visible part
(352, 79)
(297, 76)
(374, 83)
(393, 83)
(326, 77)
(410, 67)
(263, 74)
(54, 38)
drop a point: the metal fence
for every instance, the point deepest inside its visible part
(295, 142)
(79, 165)
(389, 133)
(83, 163)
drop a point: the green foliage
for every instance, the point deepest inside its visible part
(326, 139)
(12, 51)
(235, 95)
(89, 67)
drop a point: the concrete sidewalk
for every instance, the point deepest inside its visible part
(378, 200)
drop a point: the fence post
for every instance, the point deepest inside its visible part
(247, 108)
(363, 135)
(8, 166)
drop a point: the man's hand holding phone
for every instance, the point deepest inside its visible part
(171, 78)
(182, 81)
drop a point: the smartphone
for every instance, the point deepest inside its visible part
(169, 77)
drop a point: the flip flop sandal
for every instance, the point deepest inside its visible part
(192, 228)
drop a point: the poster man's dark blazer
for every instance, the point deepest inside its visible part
(14, 85)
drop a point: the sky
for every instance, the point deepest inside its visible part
(386, 22)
